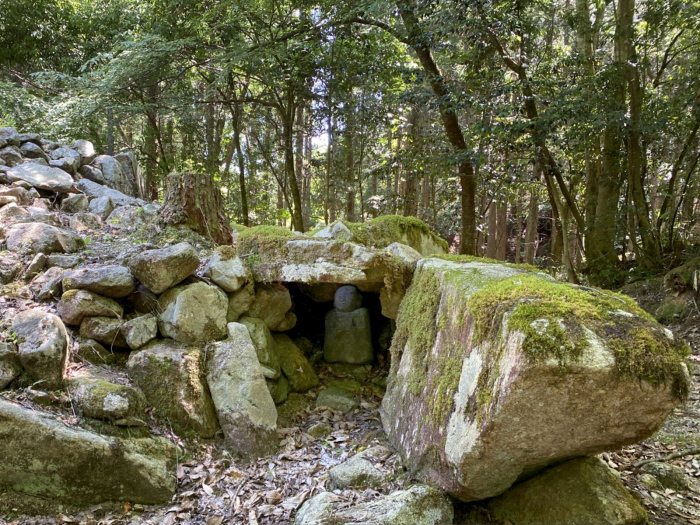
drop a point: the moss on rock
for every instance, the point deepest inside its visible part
(384, 230)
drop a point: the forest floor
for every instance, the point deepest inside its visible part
(214, 490)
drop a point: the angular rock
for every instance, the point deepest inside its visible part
(126, 217)
(111, 280)
(66, 164)
(498, 373)
(32, 151)
(10, 367)
(271, 304)
(62, 261)
(264, 346)
(93, 174)
(11, 213)
(83, 222)
(37, 264)
(44, 458)
(10, 267)
(35, 237)
(336, 231)
(10, 155)
(338, 399)
(246, 411)
(356, 473)
(113, 175)
(90, 351)
(98, 398)
(294, 364)
(68, 155)
(23, 195)
(95, 190)
(193, 313)
(418, 505)
(75, 305)
(9, 136)
(579, 492)
(179, 395)
(47, 286)
(43, 346)
(74, 203)
(669, 476)
(348, 337)
(42, 177)
(140, 330)
(226, 271)
(163, 268)
(105, 330)
(240, 302)
(101, 206)
(86, 150)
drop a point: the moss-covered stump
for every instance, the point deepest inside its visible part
(44, 458)
(498, 372)
(579, 492)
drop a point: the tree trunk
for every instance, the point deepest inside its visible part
(288, 114)
(241, 166)
(193, 200)
(531, 236)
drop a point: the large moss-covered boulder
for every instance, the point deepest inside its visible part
(193, 313)
(44, 458)
(498, 372)
(385, 230)
(582, 491)
(272, 304)
(246, 411)
(75, 305)
(43, 346)
(171, 376)
(99, 398)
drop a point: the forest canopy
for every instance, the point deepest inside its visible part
(561, 133)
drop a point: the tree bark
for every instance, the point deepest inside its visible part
(193, 200)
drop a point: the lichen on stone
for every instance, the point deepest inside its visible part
(384, 230)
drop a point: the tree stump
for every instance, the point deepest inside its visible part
(193, 200)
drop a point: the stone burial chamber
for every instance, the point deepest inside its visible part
(499, 376)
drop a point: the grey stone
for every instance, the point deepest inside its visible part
(226, 272)
(83, 222)
(668, 475)
(278, 388)
(65, 464)
(30, 137)
(264, 346)
(74, 204)
(418, 505)
(10, 366)
(86, 150)
(579, 492)
(193, 313)
(240, 302)
(10, 267)
(62, 261)
(94, 189)
(47, 286)
(126, 217)
(92, 173)
(32, 151)
(75, 305)
(338, 399)
(68, 155)
(23, 195)
(42, 177)
(35, 237)
(106, 330)
(163, 268)
(356, 473)
(98, 398)
(101, 206)
(348, 337)
(65, 164)
(336, 231)
(9, 136)
(347, 299)
(180, 394)
(113, 175)
(37, 264)
(90, 351)
(271, 304)
(43, 346)
(140, 330)
(245, 408)
(11, 155)
(111, 280)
